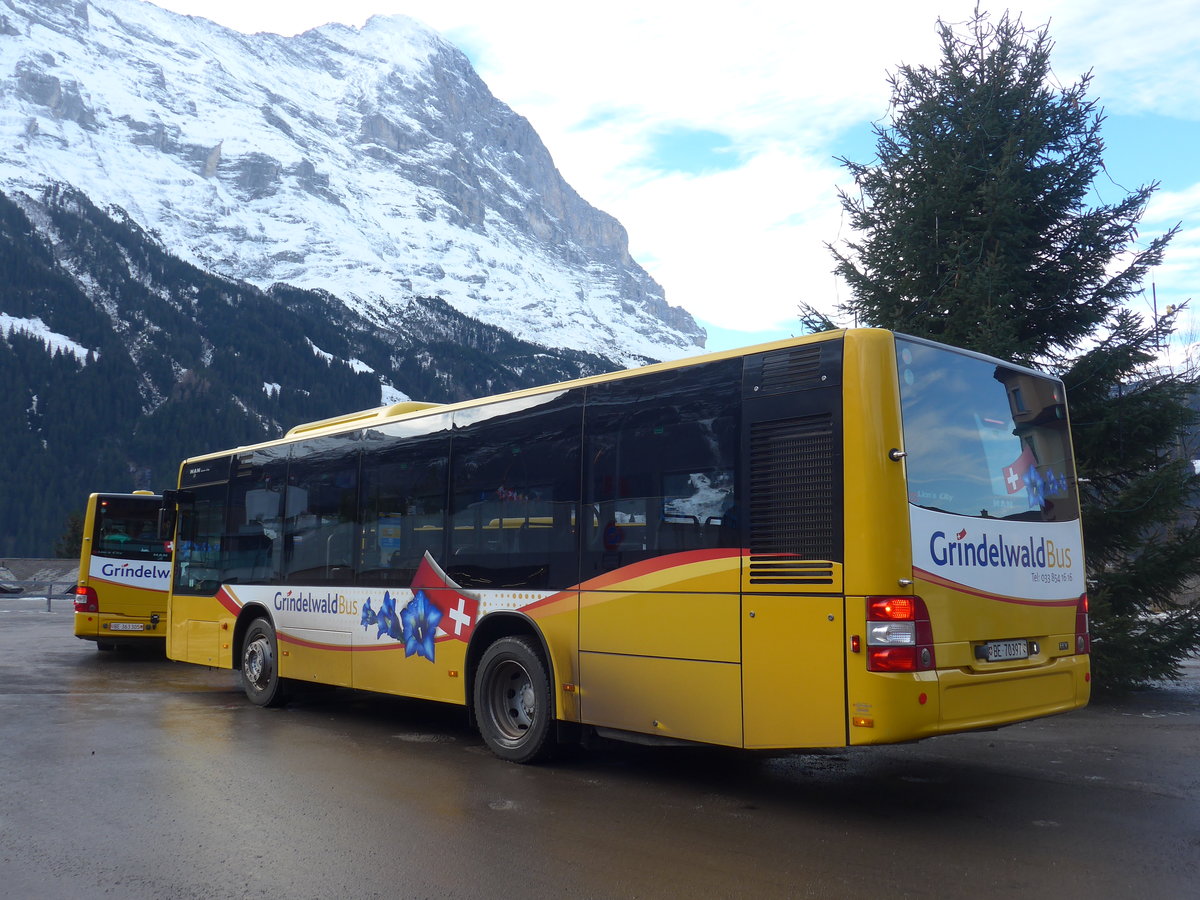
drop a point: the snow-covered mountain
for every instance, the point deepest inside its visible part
(371, 163)
(118, 359)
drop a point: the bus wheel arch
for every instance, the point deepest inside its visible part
(509, 687)
(245, 619)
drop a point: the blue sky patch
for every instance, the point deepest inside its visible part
(596, 119)
(464, 39)
(729, 338)
(1137, 150)
(693, 151)
(856, 144)
(1146, 148)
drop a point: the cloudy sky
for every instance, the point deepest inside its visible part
(712, 133)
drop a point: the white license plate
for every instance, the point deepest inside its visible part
(998, 651)
(126, 626)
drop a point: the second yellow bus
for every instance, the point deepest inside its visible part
(124, 572)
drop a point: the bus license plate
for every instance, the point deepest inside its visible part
(126, 626)
(998, 651)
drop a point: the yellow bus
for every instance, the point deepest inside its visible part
(848, 538)
(124, 571)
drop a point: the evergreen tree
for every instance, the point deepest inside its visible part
(70, 542)
(974, 228)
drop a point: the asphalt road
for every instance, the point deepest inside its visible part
(131, 776)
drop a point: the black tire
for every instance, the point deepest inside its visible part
(260, 665)
(105, 646)
(512, 701)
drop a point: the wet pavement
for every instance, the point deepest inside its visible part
(126, 775)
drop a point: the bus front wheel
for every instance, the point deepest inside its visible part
(512, 701)
(260, 665)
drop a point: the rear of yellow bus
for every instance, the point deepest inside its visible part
(965, 597)
(124, 571)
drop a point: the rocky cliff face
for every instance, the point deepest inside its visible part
(371, 163)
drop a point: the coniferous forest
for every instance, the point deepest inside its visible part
(163, 360)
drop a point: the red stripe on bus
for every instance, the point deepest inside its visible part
(660, 563)
(962, 588)
(228, 601)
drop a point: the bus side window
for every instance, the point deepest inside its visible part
(661, 466)
(515, 495)
(321, 512)
(404, 500)
(250, 542)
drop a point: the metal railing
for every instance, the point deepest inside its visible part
(35, 588)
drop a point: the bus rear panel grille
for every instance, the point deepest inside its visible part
(786, 570)
(792, 501)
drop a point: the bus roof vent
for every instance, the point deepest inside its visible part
(793, 520)
(792, 369)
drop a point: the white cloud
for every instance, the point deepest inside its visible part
(1174, 282)
(1175, 206)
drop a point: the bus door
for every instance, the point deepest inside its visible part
(792, 610)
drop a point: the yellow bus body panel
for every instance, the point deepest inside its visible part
(684, 699)
(558, 621)
(652, 641)
(649, 624)
(385, 668)
(878, 549)
(310, 654)
(793, 692)
(194, 631)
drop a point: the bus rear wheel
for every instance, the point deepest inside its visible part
(512, 701)
(260, 665)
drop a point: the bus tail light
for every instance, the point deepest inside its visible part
(899, 635)
(1083, 635)
(86, 600)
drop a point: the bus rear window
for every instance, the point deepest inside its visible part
(984, 439)
(127, 528)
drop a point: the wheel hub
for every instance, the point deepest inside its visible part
(255, 662)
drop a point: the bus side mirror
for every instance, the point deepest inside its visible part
(166, 523)
(172, 500)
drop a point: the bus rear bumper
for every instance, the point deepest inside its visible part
(893, 708)
(109, 629)
(971, 699)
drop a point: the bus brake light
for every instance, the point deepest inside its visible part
(1083, 637)
(86, 600)
(899, 635)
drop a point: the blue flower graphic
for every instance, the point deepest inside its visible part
(368, 615)
(386, 618)
(1035, 486)
(420, 619)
